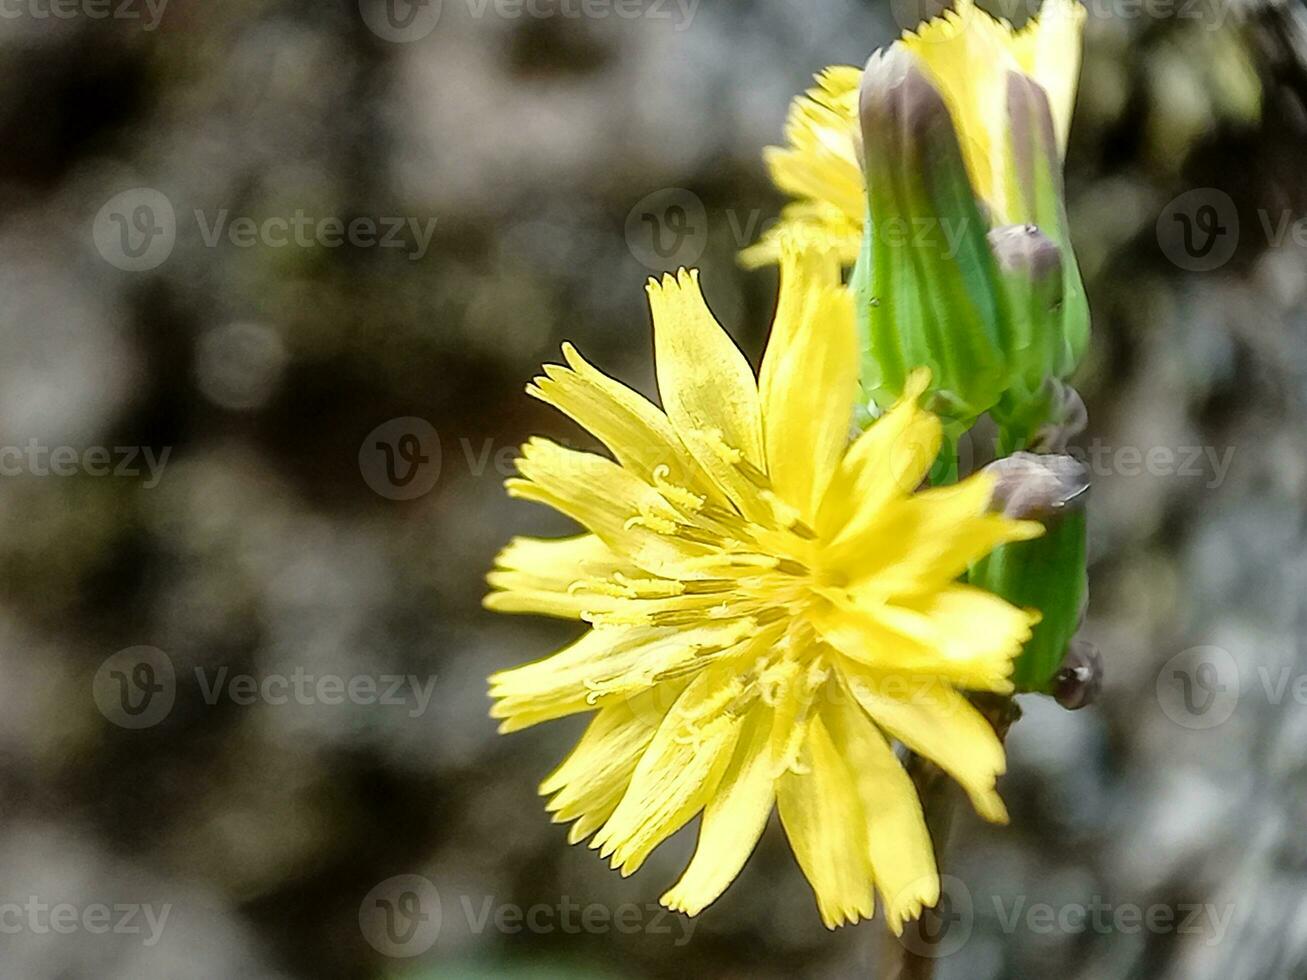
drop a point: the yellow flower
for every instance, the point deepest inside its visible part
(821, 168)
(768, 606)
(968, 55)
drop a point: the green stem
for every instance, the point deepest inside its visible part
(913, 957)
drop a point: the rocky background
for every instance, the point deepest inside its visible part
(272, 277)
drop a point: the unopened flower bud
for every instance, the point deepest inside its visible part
(1031, 486)
(1036, 161)
(1079, 680)
(927, 285)
(1048, 573)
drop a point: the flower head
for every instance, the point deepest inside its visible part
(821, 168)
(768, 606)
(973, 59)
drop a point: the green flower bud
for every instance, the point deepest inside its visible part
(1036, 196)
(926, 281)
(1048, 573)
(997, 314)
(1031, 273)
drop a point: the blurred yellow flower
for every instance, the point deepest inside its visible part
(768, 606)
(968, 54)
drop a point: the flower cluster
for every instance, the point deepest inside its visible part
(771, 603)
(938, 172)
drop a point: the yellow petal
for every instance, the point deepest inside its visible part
(794, 687)
(902, 856)
(609, 664)
(820, 166)
(536, 575)
(820, 224)
(821, 162)
(922, 542)
(891, 642)
(676, 776)
(826, 824)
(967, 54)
(1048, 50)
(707, 387)
(638, 434)
(627, 514)
(809, 378)
(965, 623)
(938, 723)
(586, 788)
(886, 462)
(733, 820)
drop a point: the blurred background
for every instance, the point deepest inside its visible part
(273, 275)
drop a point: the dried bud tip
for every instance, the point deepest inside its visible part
(1024, 248)
(1030, 486)
(896, 98)
(1079, 680)
(1068, 417)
